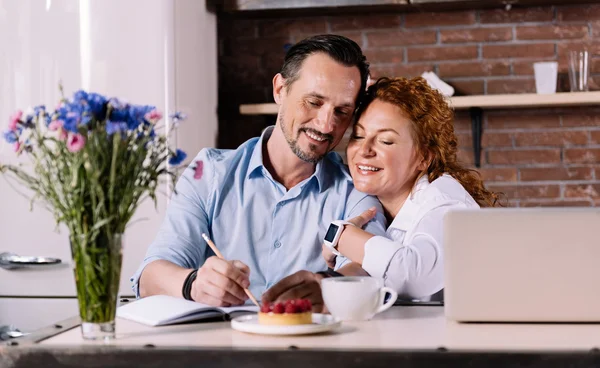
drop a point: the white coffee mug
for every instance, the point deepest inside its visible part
(546, 75)
(356, 298)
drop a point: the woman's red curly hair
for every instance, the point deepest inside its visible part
(432, 130)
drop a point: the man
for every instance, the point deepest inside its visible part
(267, 204)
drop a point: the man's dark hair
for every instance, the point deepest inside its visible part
(339, 48)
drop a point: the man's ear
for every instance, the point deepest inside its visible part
(279, 90)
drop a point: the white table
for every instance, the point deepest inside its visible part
(416, 336)
(397, 328)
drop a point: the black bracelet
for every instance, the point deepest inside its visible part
(187, 285)
(330, 273)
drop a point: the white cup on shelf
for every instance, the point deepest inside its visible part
(546, 74)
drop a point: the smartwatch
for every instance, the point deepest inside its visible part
(333, 234)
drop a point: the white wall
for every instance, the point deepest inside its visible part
(158, 52)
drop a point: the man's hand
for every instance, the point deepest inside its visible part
(221, 283)
(301, 285)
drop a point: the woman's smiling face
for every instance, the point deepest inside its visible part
(382, 156)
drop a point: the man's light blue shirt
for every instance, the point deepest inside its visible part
(252, 218)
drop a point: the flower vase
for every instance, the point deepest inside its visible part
(97, 269)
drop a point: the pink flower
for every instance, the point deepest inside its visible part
(14, 119)
(62, 135)
(154, 115)
(198, 170)
(55, 124)
(75, 142)
(17, 146)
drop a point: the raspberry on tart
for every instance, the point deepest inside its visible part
(290, 312)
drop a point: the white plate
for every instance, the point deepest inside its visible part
(321, 323)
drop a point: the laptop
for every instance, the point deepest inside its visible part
(522, 265)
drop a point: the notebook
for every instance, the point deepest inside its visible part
(160, 310)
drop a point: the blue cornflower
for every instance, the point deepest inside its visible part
(38, 109)
(115, 127)
(97, 104)
(178, 158)
(119, 114)
(115, 103)
(28, 119)
(177, 116)
(79, 95)
(85, 119)
(10, 136)
(137, 114)
(71, 121)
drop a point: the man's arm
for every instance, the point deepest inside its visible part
(162, 277)
(179, 248)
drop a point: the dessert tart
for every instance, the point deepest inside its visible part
(291, 312)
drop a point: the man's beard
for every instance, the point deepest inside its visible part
(312, 156)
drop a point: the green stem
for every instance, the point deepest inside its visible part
(113, 170)
(97, 274)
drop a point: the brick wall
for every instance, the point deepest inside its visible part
(535, 156)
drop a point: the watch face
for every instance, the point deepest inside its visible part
(331, 232)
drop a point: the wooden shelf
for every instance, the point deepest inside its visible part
(526, 100)
(476, 105)
(259, 109)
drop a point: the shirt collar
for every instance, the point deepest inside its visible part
(320, 174)
(408, 212)
(256, 161)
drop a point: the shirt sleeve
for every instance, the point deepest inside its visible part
(358, 203)
(179, 239)
(414, 267)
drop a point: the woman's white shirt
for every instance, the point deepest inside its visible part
(410, 258)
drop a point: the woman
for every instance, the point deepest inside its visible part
(403, 150)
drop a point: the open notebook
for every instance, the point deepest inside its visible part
(160, 310)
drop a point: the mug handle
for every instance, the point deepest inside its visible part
(382, 292)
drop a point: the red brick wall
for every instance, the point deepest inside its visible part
(535, 156)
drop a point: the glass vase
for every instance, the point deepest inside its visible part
(97, 269)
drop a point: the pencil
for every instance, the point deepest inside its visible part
(216, 250)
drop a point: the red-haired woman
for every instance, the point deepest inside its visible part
(403, 150)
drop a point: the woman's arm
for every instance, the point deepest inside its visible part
(352, 243)
(414, 267)
(352, 240)
(352, 269)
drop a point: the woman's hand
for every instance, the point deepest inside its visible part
(358, 221)
(329, 256)
(362, 219)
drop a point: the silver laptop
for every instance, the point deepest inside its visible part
(522, 265)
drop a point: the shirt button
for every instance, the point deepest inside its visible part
(277, 244)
